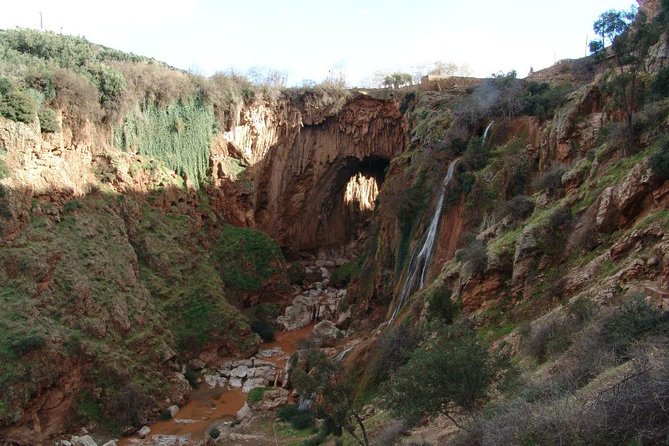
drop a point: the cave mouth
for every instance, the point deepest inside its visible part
(355, 186)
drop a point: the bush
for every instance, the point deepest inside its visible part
(192, 377)
(660, 84)
(519, 208)
(546, 339)
(26, 344)
(450, 369)
(15, 104)
(441, 306)
(256, 394)
(296, 273)
(659, 162)
(550, 181)
(264, 329)
(343, 275)
(475, 156)
(299, 419)
(633, 320)
(49, 120)
(214, 433)
(475, 256)
(128, 405)
(559, 218)
(303, 420)
(393, 348)
(248, 257)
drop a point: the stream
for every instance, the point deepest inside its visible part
(206, 405)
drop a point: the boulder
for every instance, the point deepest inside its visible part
(241, 371)
(244, 413)
(173, 410)
(253, 383)
(271, 399)
(327, 330)
(169, 440)
(144, 431)
(86, 440)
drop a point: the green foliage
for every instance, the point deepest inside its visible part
(659, 162)
(441, 306)
(88, 407)
(450, 368)
(49, 120)
(287, 412)
(264, 328)
(635, 319)
(541, 99)
(248, 257)
(179, 134)
(475, 255)
(397, 80)
(609, 26)
(255, 395)
(475, 156)
(66, 51)
(296, 274)
(16, 104)
(343, 275)
(71, 205)
(214, 433)
(4, 170)
(110, 82)
(660, 85)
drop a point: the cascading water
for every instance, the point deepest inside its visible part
(420, 261)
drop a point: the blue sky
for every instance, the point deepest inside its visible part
(308, 38)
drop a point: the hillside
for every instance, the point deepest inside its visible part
(486, 265)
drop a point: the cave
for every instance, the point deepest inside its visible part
(345, 212)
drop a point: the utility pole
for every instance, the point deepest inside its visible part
(41, 21)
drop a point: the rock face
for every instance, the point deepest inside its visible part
(317, 301)
(303, 178)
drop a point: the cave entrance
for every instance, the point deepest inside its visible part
(352, 198)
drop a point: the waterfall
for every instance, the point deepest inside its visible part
(420, 261)
(485, 133)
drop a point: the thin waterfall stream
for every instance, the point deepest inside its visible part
(420, 261)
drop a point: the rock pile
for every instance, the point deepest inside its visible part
(245, 374)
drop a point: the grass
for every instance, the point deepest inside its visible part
(505, 242)
(248, 258)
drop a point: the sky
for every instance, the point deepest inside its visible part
(308, 39)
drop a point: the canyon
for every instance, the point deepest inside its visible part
(360, 223)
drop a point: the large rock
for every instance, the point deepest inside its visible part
(169, 440)
(271, 399)
(86, 440)
(144, 431)
(300, 314)
(327, 330)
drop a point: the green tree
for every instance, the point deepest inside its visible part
(323, 381)
(397, 80)
(628, 42)
(451, 371)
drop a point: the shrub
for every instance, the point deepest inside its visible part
(49, 120)
(214, 433)
(449, 369)
(71, 205)
(659, 162)
(633, 320)
(475, 156)
(519, 208)
(248, 257)
(441, 306)
(127, 405)
(193, 378)
(264, 329)
(559, 218)
(660, 84)
(77, 97)
(475, 256)
(550, 181)
(286, 413)
(393, 348)
(256, 394)
(27, 343)
(303, 419)
(15, 104)
(296, 273)
(343, 275)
